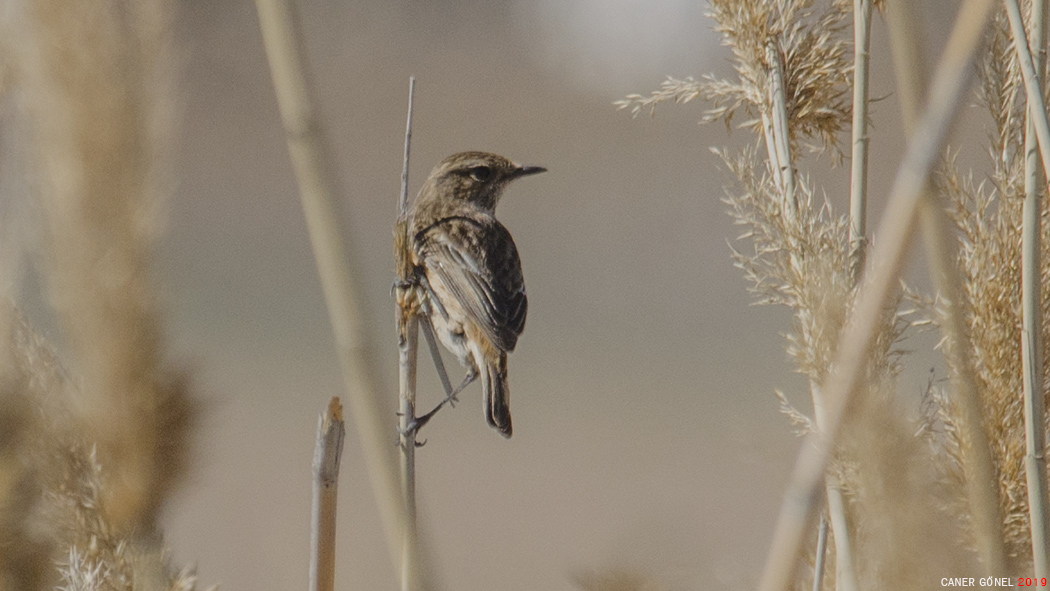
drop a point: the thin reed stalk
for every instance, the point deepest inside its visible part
(784, 168)
(858, 196)
(408, 349)
(329, 450)
(845, 575)
(1032, 316)
(338, 271)
(1033, 88)
(821, 554)
(802, 498)
(408, 357)
(778, 146)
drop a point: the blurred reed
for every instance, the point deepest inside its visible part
(87, 462)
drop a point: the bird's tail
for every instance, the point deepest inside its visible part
(497, 395)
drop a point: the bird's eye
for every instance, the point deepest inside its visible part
(481, 173)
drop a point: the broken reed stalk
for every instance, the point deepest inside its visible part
(1032, 310)
(329, 450)
(942, 258)
(337, 270)
(408, 356)
(882, 271)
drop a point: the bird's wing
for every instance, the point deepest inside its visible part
(479, 263)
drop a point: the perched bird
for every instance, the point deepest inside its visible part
(469, 267)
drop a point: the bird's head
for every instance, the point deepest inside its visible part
(476, 177)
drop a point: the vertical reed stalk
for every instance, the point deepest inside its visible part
(778, 140)
(821, 555)
(1032, 316)
(858, 197)
(408, 349)
(779, 132)
(1033, 88)
(882, 271)
(845, 576)
(327, 453)
(337, 270)
(408, 356)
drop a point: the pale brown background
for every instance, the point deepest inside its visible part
(646, 434)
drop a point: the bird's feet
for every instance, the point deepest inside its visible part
(411, 430)
(413, 427)
(417, 423)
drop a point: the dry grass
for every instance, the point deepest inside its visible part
(96, 83)
(86, 462)
(988, 215)
(904, 491)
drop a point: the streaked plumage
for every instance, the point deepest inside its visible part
(472, 267)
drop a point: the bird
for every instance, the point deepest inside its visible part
(470, 269)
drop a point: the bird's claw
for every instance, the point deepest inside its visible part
(451, 399)
(401, 285)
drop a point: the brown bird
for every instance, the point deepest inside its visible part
(469, 266)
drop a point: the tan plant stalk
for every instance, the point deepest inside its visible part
(338, 272)
(783, 168)
(327, 452)
(1032, 313)
(408, 348)
(821, 554)
(803, 494)
(845, 578)
(845, 575)
(408, 315)
(858, 196)
(1031, 81)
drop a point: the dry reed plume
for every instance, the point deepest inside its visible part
(908, 508)
(987, 210)
(86, 462)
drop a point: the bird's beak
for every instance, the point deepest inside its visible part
(527, 170)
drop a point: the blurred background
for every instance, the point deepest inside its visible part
(647, 436)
